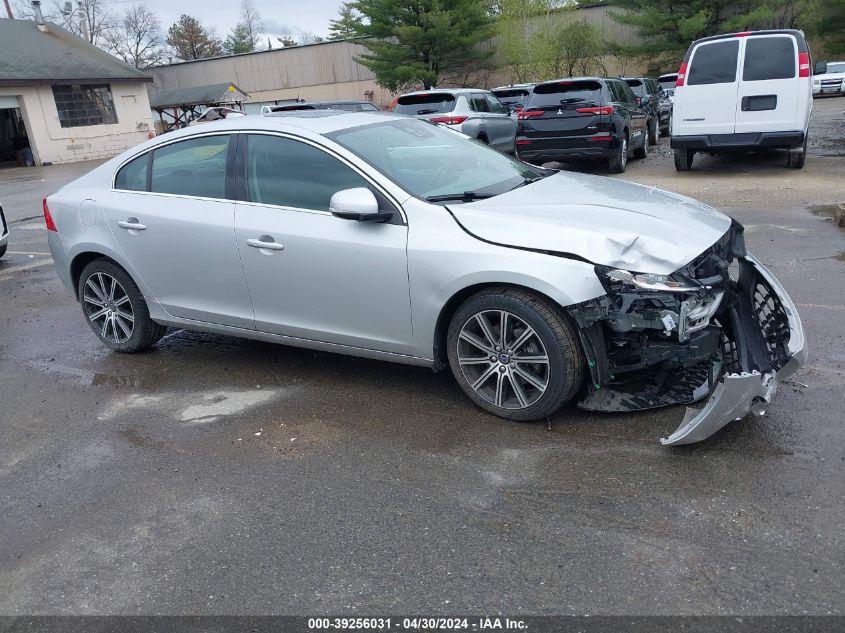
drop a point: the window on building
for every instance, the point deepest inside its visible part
(84, 104)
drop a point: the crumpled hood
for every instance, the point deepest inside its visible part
(604, 220)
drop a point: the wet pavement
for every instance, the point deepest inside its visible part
(214, 475)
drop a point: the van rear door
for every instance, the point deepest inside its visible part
(705, 98)
(768, 87)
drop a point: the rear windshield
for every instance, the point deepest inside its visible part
(637, 86)
(425, 104)
(769, 58)
(516, 95)
(566, 92)
(714, 63)
(667, 82)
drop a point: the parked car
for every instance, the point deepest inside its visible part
(476, 113)
(215, 113)
(653, 100)
(667, 82)
(386, 237)
(583, 118)
(4, 233)
(349, 106)
(829, 78)
(743, 91)
(514, 96)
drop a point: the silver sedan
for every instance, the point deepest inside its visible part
(384, 236)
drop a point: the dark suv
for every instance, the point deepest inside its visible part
(582, 118)
(654, 101)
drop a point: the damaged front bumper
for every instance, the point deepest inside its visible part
(738, 394)
(701, 334)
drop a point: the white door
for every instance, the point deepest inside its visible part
(706, 103)
(768, 87)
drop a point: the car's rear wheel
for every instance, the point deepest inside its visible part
(619, 160)
(683, 159)
(514, 354)
(796, 159)
(642, 152)
(115, 309)
(654, 131)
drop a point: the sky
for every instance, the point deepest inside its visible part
(281, 17)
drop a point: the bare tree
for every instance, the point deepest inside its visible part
(251, 21)
(137, 39)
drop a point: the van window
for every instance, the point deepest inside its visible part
(566, 92)
(714, 63)
(769, 58)
(432, 103)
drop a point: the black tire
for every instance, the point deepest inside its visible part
(667, 127)
(654, 131)
(796, 159)
(3, 249)
(563, 372)
(617, 163)
(683, 159)
(144, 332)
(483, 138)
(642, 151)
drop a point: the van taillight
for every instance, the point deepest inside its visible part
(803, 64)
(682, 75)
(48, 219)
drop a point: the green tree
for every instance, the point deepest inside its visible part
(420, 43)
(666, 27)
(347, 24)
(829, 24)
(527, 36)
(243, 38)
(189, 39)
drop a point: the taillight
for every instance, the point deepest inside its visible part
(682, 75)
(48, 219)
(596, 110)
(530, 114)
(449, 120)
(603, 136)
(524, 141)
(803, 64)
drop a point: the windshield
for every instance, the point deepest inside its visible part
(512, 96)
(836, 68)
(432, 103)
(427, 160)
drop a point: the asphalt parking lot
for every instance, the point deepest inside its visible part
(213, 475)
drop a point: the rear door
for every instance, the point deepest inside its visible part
(768, 87)
(706, 101)
(567, 113)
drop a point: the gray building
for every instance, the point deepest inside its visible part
(63, 99)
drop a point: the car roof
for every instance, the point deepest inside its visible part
(452, 91)
(512, 86)
(574, 79)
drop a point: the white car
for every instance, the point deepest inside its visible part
(215, 114)
(830, 79)
(743, 91)
(4, 233)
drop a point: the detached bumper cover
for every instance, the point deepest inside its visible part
(738, 394)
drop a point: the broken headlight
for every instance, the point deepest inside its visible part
(650, 281)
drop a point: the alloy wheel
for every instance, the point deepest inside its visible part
(108, 307)
(503, 359)
(624, 150)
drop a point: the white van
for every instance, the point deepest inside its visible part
(743, 91)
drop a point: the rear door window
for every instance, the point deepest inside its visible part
(478, 103)
(195, 167)
(575, 93)
(431, 103)
(714, 63)
(769, 58)
(637, 86)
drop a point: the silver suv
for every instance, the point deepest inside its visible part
(471, 111)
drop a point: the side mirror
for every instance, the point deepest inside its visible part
(357, 204)
(820, 67)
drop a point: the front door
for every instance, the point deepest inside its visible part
(768, 89)
(169, 215)
(312, 275)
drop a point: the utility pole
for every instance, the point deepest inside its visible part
(8, 9)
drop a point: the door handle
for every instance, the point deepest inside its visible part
(265, 241)
(131, 224)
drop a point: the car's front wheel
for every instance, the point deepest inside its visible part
(115, 309)
(654, 131)
(515, 354)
